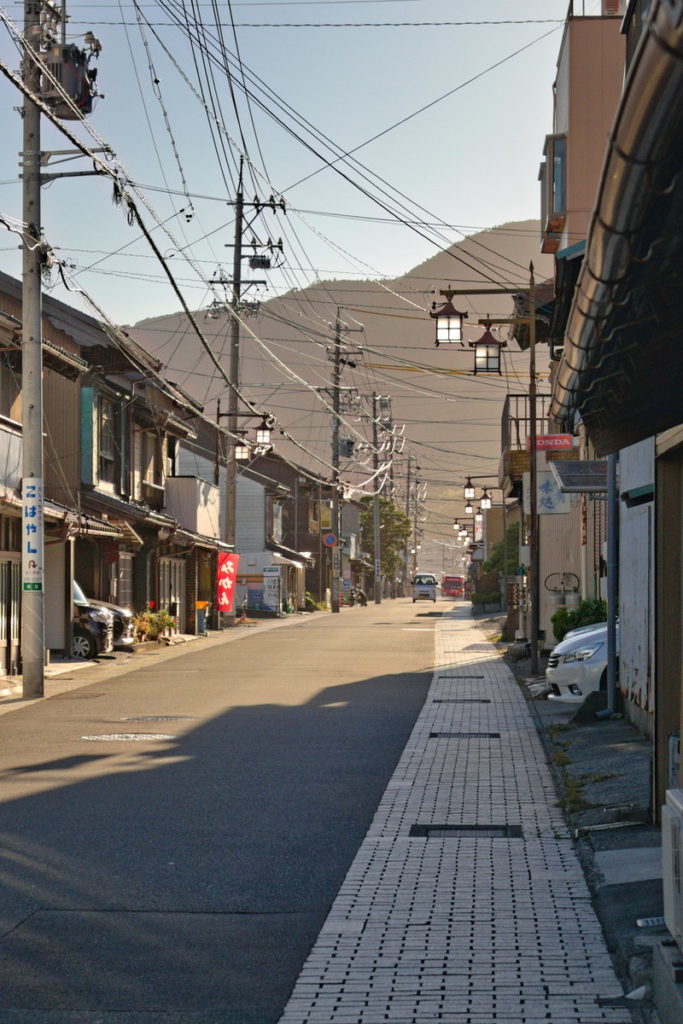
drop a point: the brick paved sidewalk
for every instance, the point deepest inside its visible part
(466, 902)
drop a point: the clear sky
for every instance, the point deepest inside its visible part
(350, 68)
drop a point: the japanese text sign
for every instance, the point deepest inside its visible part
(225, 581)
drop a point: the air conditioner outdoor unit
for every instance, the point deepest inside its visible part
(672, 855)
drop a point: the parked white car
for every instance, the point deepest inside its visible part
(578, 665)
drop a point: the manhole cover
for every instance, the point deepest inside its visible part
(158, 718)
(129, 737)
(466, 831)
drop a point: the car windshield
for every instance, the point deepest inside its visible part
(425, 580)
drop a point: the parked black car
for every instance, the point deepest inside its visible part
(124, 628)
(93, 627)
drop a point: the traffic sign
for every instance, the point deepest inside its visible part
(330, 540)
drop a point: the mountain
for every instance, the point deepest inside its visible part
(451, 417)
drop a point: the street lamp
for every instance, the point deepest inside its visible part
(448, 321)
(468, 490)
(264, 431)
(487, 352)
(469, 508)
(485, 501)
(448, 311)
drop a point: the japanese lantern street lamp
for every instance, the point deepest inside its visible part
(449, 321)
(448, 331)
(264, 431)
(487, 351)
(468, 491)
(469, 508)
(485, 501)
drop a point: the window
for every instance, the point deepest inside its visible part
(553, 178)
(107, 445)
(10, 387)
(151, 458)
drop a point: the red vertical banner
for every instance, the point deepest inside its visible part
(225, 581)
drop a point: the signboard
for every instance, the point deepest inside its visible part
(32, 534)
(271, 588)
(330, 540)
(550, 500)
(551, 442)
(225, 581)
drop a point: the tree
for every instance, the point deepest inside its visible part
(395, 532)
(495, 562)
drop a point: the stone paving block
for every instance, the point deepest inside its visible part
(466, 929)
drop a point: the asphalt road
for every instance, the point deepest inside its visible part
(173, 835)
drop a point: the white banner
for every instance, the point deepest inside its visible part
(32, 534)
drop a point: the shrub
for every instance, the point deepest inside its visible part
(486, 597)
(150, 625)
(311, 605)
(585, 614)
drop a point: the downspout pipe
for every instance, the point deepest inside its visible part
(612, 584)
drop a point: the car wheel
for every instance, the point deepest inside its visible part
(83, 645)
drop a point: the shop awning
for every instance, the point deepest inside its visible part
(580, 477)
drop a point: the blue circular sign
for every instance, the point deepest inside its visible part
(329, 540)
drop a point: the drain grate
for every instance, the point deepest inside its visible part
(447, 675)
(461, 700)
(464, 735)
(466, 832)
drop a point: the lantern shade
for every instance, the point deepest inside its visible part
(468, 509)
(241, 451)
(478, 516)
(468, 489)
(448, 324)
(263, 432)
(485, 502)
(487, 353)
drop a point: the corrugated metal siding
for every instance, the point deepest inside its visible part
(62, 456)
(191, 464)
(636, 578)
(635, 605)
(250, 509)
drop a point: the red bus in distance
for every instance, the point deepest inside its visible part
(453, 586)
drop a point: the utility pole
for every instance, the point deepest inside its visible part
(336, 377)
(32, 488)
(231, 479)
(235, 304)
(375, 503)
(407, 550)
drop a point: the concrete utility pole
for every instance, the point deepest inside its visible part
(407, 550)
(375, 503)
(231, 476)
(32, 489)
(336, 517)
